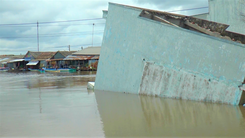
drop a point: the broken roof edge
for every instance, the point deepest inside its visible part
(197, 33)
(139, 8)
(213, 26)
(163, 12)
(205, 26)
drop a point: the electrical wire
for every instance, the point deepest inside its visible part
(81, 20)
(64, 46)
(189, 9)
(75, 45)
(87, 19)
(56, 34)
(48, 25)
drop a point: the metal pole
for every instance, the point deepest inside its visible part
(37, 38)
(69, 47)
(93, 34)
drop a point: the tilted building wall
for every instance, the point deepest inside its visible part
(131, 43)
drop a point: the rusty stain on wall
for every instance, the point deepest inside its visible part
(180, 84)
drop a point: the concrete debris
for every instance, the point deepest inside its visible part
(195, 24)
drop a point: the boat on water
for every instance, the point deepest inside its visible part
(60, 70)
(33, 69)
(67, 70)
(39, 70)
(4, 68)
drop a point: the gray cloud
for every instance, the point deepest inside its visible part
(20, 38)
(172, 5)
(168, 4)
(57, 36)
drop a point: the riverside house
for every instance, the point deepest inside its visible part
(85, 59)
(57, 59)
(38, 59)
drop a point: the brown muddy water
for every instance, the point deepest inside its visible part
(59, 105)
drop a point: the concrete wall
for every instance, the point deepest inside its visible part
(227, 12)
(105, 13)
(129, 41)
(182, 84)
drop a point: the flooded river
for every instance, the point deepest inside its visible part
(59, 105)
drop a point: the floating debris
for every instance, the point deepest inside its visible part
(90, 85)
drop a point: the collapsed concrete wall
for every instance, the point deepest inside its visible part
(231, 12)
(130, 40)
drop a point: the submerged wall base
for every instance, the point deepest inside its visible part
(242, 99)
(180, 84)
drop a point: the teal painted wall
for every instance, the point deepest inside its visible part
(129, 41)
(179, 83)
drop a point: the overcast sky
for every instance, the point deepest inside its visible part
(16, 37)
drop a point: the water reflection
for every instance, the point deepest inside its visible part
(127, 115)
(243, 114)
(40, 100)
(48, 105)
(60, 80)
(59, 105)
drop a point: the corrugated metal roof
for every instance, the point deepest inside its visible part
(16, 60)
(95, 57)
(12, 56)
(90, 51)
(4, 59)
(45, 55)
(72, 57)
(35, 54)
(66, 53)
(42, 55)
(32, 63)
(54, 59)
